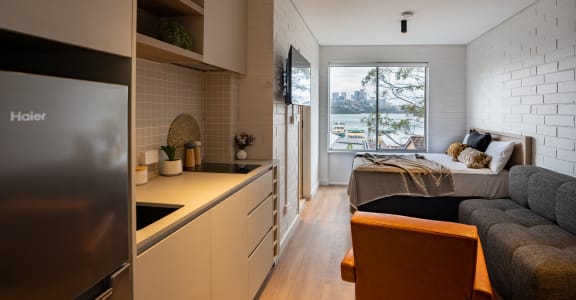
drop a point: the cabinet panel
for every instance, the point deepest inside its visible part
(259, 223)
(257, 191)
(225, 34)
(228, 240)
(260, 263)
(177, 267)
(104, 25)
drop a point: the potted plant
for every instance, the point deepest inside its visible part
(242, 141)
(171, 166)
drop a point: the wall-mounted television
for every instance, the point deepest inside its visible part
(297, 79)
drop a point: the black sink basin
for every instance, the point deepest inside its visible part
(148, 213)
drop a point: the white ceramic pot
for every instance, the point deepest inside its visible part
(242, 154)
(171, 167)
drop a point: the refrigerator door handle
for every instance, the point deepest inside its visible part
(120, 287)
(106, 295)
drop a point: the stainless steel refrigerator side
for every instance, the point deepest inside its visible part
(64, 201)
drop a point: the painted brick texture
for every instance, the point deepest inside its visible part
(524, 69)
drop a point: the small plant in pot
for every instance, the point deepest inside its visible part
(171, 166)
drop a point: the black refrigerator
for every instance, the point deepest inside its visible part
(64, 195)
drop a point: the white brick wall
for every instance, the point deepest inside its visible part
(524, 70)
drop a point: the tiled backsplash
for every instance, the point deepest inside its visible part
(163, 91)
(220, 115)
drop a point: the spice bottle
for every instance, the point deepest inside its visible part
(198, 152)
(190, 155)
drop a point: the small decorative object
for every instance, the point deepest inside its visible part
(172, 166)
(242, 141)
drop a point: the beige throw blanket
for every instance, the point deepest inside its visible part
(378, 176)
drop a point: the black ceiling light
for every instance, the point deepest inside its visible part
(404, 22)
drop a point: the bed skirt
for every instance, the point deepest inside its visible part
(433, 208)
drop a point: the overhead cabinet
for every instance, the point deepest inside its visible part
(104, 25)
(208, 35)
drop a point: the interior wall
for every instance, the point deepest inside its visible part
(272, 26)
(446, 103)
(290, 29)
(521, 79)
(164, 91)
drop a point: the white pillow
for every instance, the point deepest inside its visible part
(465, 140)
(500, 152)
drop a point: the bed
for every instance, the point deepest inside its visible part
(383, 188)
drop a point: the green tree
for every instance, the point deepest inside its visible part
(398, 84)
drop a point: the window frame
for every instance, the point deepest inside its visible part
(424, 64)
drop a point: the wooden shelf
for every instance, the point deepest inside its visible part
(172, 8)
(155, 50)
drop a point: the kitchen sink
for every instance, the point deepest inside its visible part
(148, 213)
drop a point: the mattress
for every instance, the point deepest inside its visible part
(365, 187)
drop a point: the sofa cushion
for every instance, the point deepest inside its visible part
(486, 217)
(467, 207)
(566, 206)
(541, 259)
(518, 183)
(542, 188)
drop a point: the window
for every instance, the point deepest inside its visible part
(380, 107)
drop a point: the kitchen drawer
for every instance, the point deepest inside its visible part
(259, 223)
(260, 263)
(257, 191)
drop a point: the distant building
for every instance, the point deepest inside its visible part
(416, 142)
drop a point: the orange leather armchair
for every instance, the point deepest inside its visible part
(402, 258)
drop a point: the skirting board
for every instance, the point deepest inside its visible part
(286, 238)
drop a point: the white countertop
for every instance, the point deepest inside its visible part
(196, 191)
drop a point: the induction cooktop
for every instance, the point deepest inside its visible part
(222, 168)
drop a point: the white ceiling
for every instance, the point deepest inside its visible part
(377, 22)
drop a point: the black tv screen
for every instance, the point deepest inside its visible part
(298, 71)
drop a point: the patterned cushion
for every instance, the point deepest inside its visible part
(455, 149)
(473, 158)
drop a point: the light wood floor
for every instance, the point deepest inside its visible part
(309, 267)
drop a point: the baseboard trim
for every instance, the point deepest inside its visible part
(286, 238)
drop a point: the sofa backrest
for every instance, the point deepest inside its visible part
(549, 194)
(566, 206)
(518, 183)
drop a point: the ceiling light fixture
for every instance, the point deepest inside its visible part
(404, 22)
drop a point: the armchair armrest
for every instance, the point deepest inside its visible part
(482, 286)
(347, 268)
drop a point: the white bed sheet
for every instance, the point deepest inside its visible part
(480, 183)
(472, 183)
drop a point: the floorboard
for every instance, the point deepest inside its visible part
(309, 267)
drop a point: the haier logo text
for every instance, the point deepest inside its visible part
(26, 116)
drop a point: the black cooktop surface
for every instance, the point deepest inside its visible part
(222, 168)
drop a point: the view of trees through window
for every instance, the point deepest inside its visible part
(378, 107)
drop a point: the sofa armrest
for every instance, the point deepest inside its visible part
(482, 286)
(347, 268)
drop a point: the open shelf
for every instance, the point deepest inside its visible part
(172, 8)
(155, 50)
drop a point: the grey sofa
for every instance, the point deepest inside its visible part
(529, 239)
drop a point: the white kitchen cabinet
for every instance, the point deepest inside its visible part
(228, 241)
(178, 267)
(225, 32)
(241, 241)
(225, 253)
(104, 25)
